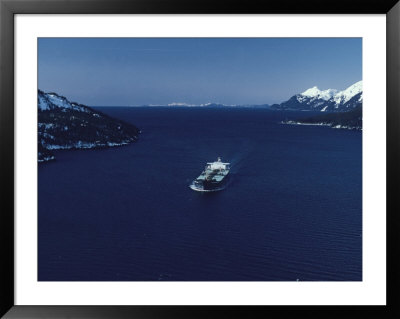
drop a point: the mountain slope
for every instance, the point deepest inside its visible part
(346, 120)
(67, 125)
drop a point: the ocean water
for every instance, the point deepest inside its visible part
(291, 211)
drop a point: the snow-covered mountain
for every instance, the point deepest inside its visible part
(329, 100)
(68, 125)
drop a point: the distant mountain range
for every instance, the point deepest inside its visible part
(329, 100)
(68, 125)
(179, 104)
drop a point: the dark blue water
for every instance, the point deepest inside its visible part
(292, 210)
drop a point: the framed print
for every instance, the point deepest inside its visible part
(165, 159)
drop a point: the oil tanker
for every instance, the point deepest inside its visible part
(213, 178)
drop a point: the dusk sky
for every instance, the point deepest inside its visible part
(139, 71)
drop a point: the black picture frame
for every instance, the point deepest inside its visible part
(9, 8)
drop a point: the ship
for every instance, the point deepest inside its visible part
(213, 178)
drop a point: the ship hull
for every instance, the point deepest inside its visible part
(209, 186)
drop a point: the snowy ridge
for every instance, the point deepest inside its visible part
(345, 95)
(51, 101)
(338, 96)
(315, 92)
(330, 100)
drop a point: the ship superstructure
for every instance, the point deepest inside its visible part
(213, 177)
